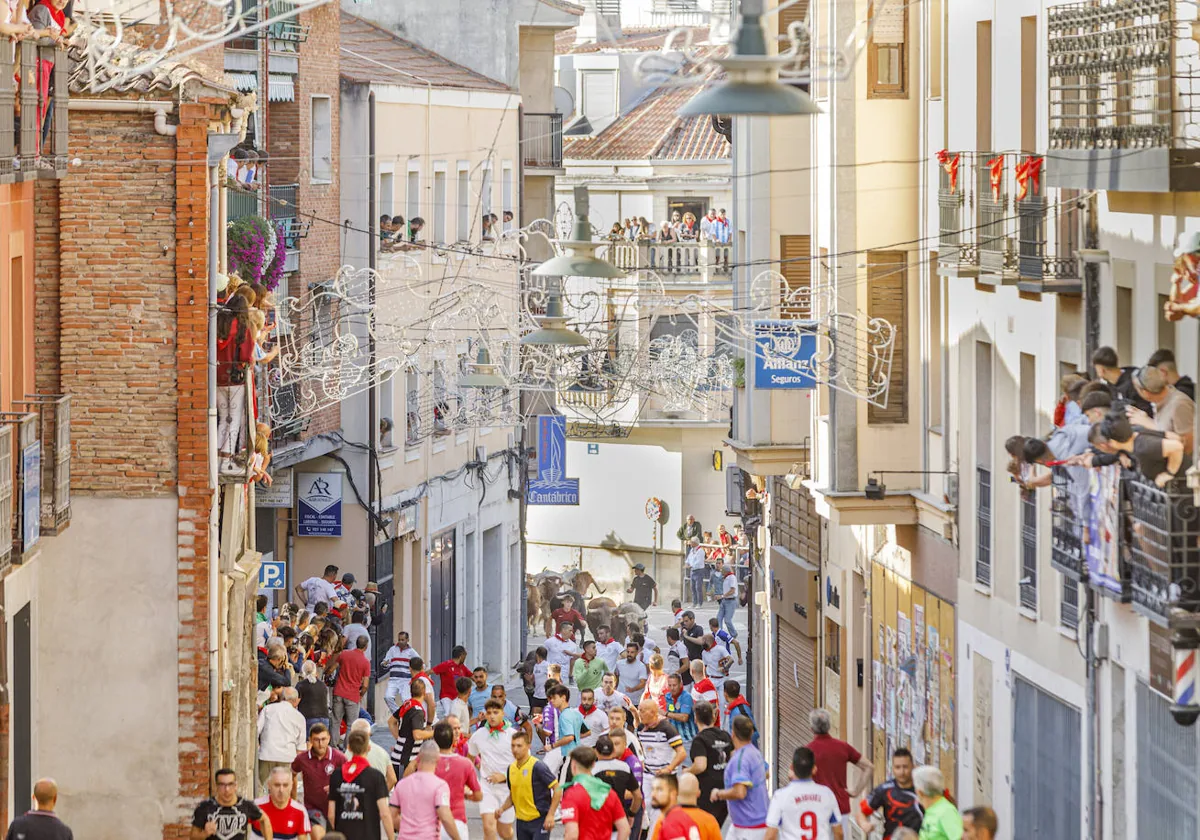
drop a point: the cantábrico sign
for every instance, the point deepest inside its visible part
(552, 487)
(783, 354)
(319, 505)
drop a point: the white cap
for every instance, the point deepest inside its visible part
(222, 282)
(1189, 243)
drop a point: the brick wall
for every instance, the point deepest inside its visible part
(117, 312)
(321, 251)
(46, 275)
(195, 490)
(283, 140)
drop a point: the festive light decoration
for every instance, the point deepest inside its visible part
(996, 175)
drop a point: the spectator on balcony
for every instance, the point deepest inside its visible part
(262, 454)
(688, 229)
(233, 163)
(1164, 360)
(1172, 410)
(667, 233)
(1062, 445)
(487, 226)
(1066, 410)
(706, 225)
(235, 353)
(386, 231)
(1119, 379)
(676, 220)
(248, 173)
(645, 233)
(630, 230)
(617, 233)
(722, 230)
(1160, 455)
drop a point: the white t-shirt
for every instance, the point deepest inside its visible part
(804, 810)
(495, 750)
(610, 653)
(630, 674)
(597, 724)
(607, 703)
(676, 655)
(559, 652)
(541, 673)
(712, 661)
(262, 632)
(351, 634)
(728, 585)
(318, 589)
(696, 558)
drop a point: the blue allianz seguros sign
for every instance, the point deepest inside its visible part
(784, 353)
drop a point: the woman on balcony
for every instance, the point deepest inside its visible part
(235, 354)
(667, 234)
(688, 229)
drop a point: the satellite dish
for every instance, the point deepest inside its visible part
(564, 101)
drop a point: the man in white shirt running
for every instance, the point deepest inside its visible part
(717, 661)
(609, 698)
(492, 743)
(804, 810)
(318, 589)
(631, 673)
(608, 648)
(562, 650)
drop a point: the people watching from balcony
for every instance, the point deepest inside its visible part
(617, 233)
(688, 230)
(1172, 411)
(53, 17)
(1119, 379)
(1164, 360)
(667, 233)
(722, 230)
(645, 233)
(1159, 456)
(235, 354)
(1066, 410)
(706, 225)
(489, 221)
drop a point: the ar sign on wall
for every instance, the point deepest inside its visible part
(271, 575)
(319, 505)
(783, 354)
(552, 487)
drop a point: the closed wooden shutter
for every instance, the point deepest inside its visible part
(795, 255)
(792, 14)
(796, 682)
(887, 298)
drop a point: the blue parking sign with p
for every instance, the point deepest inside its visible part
(271, 575)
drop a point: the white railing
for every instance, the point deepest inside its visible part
(703, 259)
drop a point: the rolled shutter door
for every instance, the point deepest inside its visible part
(796, 679)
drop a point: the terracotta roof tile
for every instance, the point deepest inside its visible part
(368, 53)
(87, 76)
(652, 129)
(633, 39)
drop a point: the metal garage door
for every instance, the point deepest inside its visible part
(1048, 750)
(1166, 770)
(796, 689)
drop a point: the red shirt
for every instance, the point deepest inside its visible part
(353, 667)
(593, 825)
(832, 757)
(676, 825)
(459, 774)
(574, 616)
(450, 671)
(316, 772)
(287, 823)
(230, 352)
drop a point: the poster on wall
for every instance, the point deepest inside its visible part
(319, 505)
(877, 694)
(552, 487)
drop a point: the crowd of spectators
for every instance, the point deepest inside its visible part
(681, 227)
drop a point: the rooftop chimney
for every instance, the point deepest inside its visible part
(601, 21)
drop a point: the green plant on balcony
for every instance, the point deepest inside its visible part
(257, 251)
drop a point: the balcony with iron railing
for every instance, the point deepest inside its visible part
(1066, 529)
(1162, 550)
(689, 262)
(1123, 95)
(542, 143)
(35, 474)
(957, 253)
(995, 225)
(284, 211)
(1048, 238)
(33, 120)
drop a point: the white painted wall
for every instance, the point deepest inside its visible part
(106, 665)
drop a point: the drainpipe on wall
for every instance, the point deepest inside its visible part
(373, 390)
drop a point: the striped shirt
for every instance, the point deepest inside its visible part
(396, 662)
(411, 717)
(659, 742)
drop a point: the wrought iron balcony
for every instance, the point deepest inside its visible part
(1161, 546)
(957, 255)
(542, 141)
(33, 142)
(1123, 96)
(53, 413)
(1066, 530)
(240, 203)
(20, 483)
(1048, 241)
(995, 227)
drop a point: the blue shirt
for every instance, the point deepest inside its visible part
(746, 767)
(684, 706)
(570, 723)
(478, 697)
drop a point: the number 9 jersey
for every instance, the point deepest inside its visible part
(804, 810)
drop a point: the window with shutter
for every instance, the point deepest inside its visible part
(887, 285)
(792, 14)
(795, 255)
(887, 53)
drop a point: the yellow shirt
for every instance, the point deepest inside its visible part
(530, 784)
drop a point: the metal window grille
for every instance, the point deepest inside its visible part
(1068, 613)
(983, 527)
(1029, 513)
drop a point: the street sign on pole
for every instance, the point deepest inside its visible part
(271, 574)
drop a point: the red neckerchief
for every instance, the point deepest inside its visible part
(422, 675)
(586, 710)
(409, 705)
(262, 650)
(494, 731)
(712, 646)
(733, 704)
(560, 638)
(60, 17)
(728, 572)
(354, 766)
